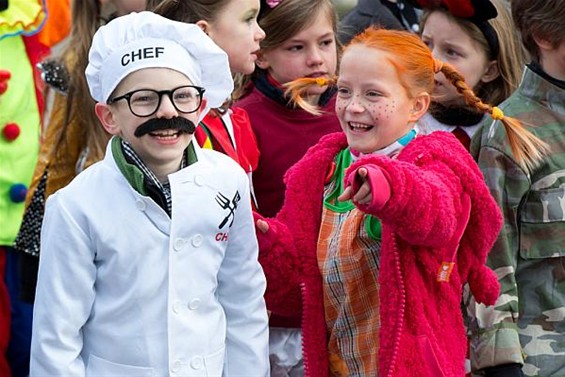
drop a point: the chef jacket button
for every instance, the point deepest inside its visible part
(177, 306)
(197, 240)
(179, 244)
(198, 180)
(140, 204)
(18, 192)
(197, 362)
(11, 131)
(194, 304)
(177, 365)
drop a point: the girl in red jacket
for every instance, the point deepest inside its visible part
(381, 275)
(300, 42)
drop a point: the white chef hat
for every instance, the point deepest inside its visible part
(146, 40)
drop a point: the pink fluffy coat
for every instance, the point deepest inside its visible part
(439, 210)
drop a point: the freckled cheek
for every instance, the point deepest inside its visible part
(340, 109)
(382, 111)
(377, 112)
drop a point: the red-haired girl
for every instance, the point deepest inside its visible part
(382, 226)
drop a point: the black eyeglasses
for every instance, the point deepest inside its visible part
(145, 102)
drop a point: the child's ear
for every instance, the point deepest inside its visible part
(543, 43)
(106, 118)
(203, 25)
(262, 61)
(420, 105)
(492, 72)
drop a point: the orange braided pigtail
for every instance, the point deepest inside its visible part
(528, 150)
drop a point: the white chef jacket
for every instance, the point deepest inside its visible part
(125, 290)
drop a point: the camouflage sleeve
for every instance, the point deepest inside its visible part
(475, 146)
(494, 335)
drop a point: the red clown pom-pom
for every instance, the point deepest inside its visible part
(4, 75)
(11, 131)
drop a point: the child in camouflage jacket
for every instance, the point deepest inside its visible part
(524, 333)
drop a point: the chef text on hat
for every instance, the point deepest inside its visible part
(145, 53)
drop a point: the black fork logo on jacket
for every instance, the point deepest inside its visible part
(229, 205)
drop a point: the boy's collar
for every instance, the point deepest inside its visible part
(133, 174)
(537, 68)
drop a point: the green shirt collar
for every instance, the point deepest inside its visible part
(132, 173)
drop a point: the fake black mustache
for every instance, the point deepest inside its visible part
(158, 124)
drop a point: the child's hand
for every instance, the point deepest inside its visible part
(262, 226)
(359, 191)
(368, 186)
(265, 238)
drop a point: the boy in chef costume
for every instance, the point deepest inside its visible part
(149, 258)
